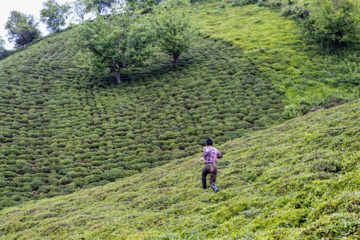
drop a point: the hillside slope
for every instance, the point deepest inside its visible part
(297, 66)
(63, 127)
(297, 180)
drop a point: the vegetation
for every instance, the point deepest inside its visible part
(54, 15)
(296, 180)
(79, 9)
(65, 126)
(331, 23)
(337, 20)
(2, 46)
(101, 6)
(116, 42)
(175, 31)
(22, 28)
(296, 66)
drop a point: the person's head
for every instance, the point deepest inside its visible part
(209, 142)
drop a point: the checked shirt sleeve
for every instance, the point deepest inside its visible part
(206, 152)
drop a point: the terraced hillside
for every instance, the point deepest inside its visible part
(298, 180)
(63, 127)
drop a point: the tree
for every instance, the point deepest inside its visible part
(337, 20)
(174, 29)
(2, 48)
(3, 52)
(79, 7)
(99, 5)
(2, 45)
(144, 5)
(115, 42)
(22, 28)
(54, 15)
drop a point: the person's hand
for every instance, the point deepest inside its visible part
(202, 159)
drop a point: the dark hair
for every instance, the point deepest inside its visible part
(209, 142)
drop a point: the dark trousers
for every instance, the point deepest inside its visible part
(212, 169)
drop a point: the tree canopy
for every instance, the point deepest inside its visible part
(21, 28)
(2, 45)
(54, 15)
(79, 8)
(175, 30)
(115, 42)
(143, 5)
(100, 6)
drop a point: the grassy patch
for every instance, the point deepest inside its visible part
(276, 46)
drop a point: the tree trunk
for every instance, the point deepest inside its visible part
(176, 58)
(117, 75)
(24, 45)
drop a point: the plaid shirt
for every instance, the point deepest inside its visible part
(211, 154)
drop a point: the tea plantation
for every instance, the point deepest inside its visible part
(63, 127)
(298, 180)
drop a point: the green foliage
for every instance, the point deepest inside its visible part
(337, 21)
(327, 21)
(72, 128)
(3, 52)
(175, 31)
(54, 15)
(2, 46)
(69, 127)
(145, 6)
(297, 180)
(116, 42)
(22, 28)
(242, 2)
(79, 9)
(35, 185)
(99, 6)
(282, 52)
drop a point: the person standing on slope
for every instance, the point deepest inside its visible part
(210, 156)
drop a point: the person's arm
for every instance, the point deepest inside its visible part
(219, 155)
(205, 154)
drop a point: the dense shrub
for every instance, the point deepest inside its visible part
(337, 21)
(35, 185)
